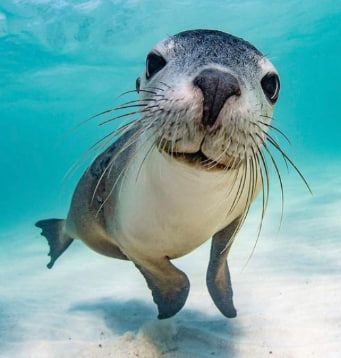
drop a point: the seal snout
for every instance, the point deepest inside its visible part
(217, 87)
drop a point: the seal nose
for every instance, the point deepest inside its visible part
(216, 87)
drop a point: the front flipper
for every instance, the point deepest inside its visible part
(218, 275)
(169, 285)
(53, 230)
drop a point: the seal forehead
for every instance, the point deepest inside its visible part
(197, 48)
(214, 39)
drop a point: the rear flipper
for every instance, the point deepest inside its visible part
(53, 230)
(218, 275)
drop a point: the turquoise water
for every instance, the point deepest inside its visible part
(62, 61)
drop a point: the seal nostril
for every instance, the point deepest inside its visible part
(216, 87)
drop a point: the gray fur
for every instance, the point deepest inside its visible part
(189, 51)
(218, 275)
(169, 286)
(53, 230)
(187, 54)
(170, 119)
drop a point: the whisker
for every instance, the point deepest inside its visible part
(174, 136)
(101, 143)
(255, 156)
(275, 144)
(144, 159)
(275, 129)
(280, 182)
(135, 91)
(122, 106)
(137, 135)
(267, 135)
(117, 131)
(262, 159)
(250, 194)
(128, 114)
(128, 144)
(165, 84)
(152, 87)
(269, 117)
(239, 193)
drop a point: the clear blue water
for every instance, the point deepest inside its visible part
(62, 61)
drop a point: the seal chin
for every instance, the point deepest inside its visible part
(200, 160)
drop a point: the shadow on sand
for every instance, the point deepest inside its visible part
(190, 333)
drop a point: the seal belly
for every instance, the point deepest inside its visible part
(168, 208)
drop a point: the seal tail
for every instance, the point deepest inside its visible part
(53, 230)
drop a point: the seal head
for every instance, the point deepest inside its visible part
(214, 97)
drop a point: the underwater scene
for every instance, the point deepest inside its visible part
(76, 76)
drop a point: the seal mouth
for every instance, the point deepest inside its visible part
(200, 160)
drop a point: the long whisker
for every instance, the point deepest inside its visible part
(259, 159)
(135, 91)
(112, 160)
(276, 145)
(145, 129)
(256, 158)
(123, 106)
(239, 192)
(267, 135)
(149, 150)
(96, 146)
(269, 117)
(165, 84)
(119, 108)
(136, 136)
(128, 144)
(280, 182)
(275, 129)
(119, 130)
(152, 87)
(128, 114)
(267, 178)
(208, 162)
(264, 183)
(139, 103)
(255, 244)
(101, 143)
(250, 194)
(144, 159)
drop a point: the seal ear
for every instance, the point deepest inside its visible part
(218, 278)
(138, 84)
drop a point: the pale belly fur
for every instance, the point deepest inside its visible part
(169, 208)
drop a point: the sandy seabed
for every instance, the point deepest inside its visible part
(288, 297)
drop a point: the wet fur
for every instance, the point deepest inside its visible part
(139, 201)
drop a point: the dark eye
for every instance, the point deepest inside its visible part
(270, 84)
(154, 64)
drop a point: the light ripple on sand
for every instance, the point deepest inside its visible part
(288, 297)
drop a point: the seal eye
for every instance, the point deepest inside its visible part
(154, 64)
(270, 84)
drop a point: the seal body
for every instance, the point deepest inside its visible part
(170, 208)
(187, 170)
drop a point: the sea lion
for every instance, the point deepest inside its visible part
(186, 170)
